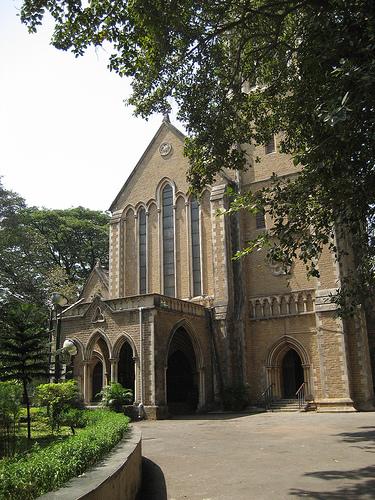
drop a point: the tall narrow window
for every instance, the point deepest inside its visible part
(195, 248)
(260, 220)
(270, 147)
(142, 251)
(168, 241)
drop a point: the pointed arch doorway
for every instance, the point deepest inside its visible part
(126, 368)
(183, 375)
(291, 374)
(97, 379)
(288, 367)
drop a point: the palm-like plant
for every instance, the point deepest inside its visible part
(115, 396)
(23, 347)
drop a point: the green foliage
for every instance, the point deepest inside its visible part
(23, 342)
(59, 399)
(42, 435)
(23, 346)
(236, 398)
(74, 418)
(115, 396)
(242, 71)
(10, 406)
(46, 469)
(43, 250)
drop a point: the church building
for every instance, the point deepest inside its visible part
(178, 321)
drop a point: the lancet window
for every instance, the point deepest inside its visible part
(168, 241)
(142, 251)
(195, 248)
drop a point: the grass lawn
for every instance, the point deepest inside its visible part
(41, 432)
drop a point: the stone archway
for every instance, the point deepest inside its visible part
(126, 367)
(287, 366)
(98, 350)
(97, 379)
(292, 376)
(184, 374)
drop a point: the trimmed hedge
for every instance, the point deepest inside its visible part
(47, 469)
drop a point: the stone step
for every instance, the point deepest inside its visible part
(287, 410)
(285, 405)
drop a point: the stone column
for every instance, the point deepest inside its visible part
(114, 369)
(202, 388)
(115, 247)
(277, 381)
(333, 355)
(86, 382)
(219, 245)
(306, 378)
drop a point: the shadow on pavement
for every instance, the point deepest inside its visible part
(364, 488)
(153, 482)
(364, 485)
(365, 436)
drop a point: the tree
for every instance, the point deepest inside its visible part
(58, 400)
(240, 72)
(70, 241)
(23, 347)
(45, 250)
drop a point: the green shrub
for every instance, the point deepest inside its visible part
(47, 469)
(115, 396)
(58, 398)
(74, 418)
(10, 407)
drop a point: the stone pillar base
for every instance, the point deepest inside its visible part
(335, 405)
(156, 412)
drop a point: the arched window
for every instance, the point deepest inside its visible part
(260, 220)
(168, 241)
(270, 147)
(142, 251)
(195, 248)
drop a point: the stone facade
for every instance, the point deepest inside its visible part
(249, 323)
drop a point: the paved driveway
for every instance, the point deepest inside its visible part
(262, 456)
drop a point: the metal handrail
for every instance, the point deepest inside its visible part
(300, 395)
(267, 396)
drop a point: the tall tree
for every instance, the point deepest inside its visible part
(45, 250)
(240, 72)
(23, 346)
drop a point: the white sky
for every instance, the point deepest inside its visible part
(66, 138)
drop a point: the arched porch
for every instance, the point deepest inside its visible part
(96, 366)
(184, 372)
(288, 367)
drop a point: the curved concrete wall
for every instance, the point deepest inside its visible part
(117, 477)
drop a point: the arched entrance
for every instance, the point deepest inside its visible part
(126, 375)
(287, 367)
(292, 374)
(182, 374)
(97, 366)
(97, 380)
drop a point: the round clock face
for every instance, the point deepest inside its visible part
(165, 148)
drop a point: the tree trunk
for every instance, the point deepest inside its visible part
(26, 398)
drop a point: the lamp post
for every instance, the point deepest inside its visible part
(58, 302)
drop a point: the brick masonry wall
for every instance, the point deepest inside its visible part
(337, 353)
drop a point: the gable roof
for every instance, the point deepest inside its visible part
(97, 275)
(166, 124)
